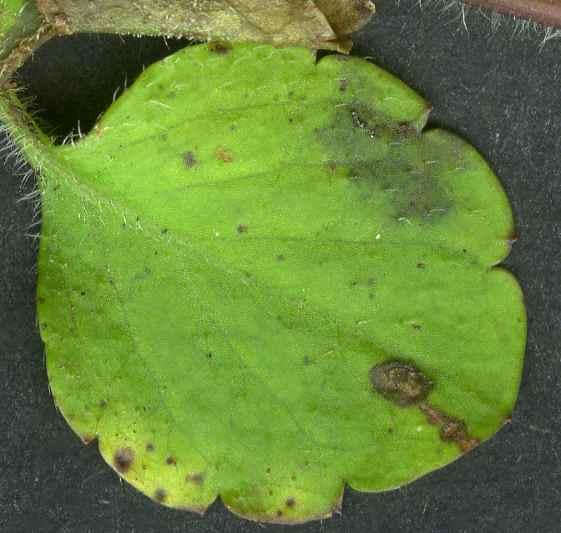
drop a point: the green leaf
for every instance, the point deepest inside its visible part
(258, 279)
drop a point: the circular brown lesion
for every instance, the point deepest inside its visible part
(196, 478)
(123, 459)
(400, 382)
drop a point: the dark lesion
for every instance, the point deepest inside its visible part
(405, 385)
(400, 382)
(407, 173)
(451, 429)
(123, 459)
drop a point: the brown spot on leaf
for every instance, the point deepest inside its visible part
(171, 460)
(405, 128)
(219, 47)
(88, 438)
(242, 228)
(279, 513)
(189, 159)
(197, 478)
(160, 495)
(290, 502)
(400, 382)
(331, 165)
(343, 84)
(123, 459)
(224, 154)
(451, 429)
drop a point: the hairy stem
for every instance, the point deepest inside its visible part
(310, 23)
(547, 12)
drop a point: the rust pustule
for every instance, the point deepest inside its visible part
(400, 382)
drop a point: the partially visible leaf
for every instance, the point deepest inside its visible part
(259, 279)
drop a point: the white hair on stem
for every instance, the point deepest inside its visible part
(521, 28)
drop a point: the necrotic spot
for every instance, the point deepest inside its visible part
(123, 459)
(402, 383)
(189, 159)
(160, 495)
(196, 478)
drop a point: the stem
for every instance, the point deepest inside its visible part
(20, 37)
(547, 12)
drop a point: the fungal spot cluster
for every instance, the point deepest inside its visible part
(406, 177)
(400, 382)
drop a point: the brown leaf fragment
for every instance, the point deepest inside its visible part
(346, 16)
(315, 24)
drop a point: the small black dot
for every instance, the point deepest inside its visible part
(160, 495)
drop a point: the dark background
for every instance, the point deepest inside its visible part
(499, 89)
